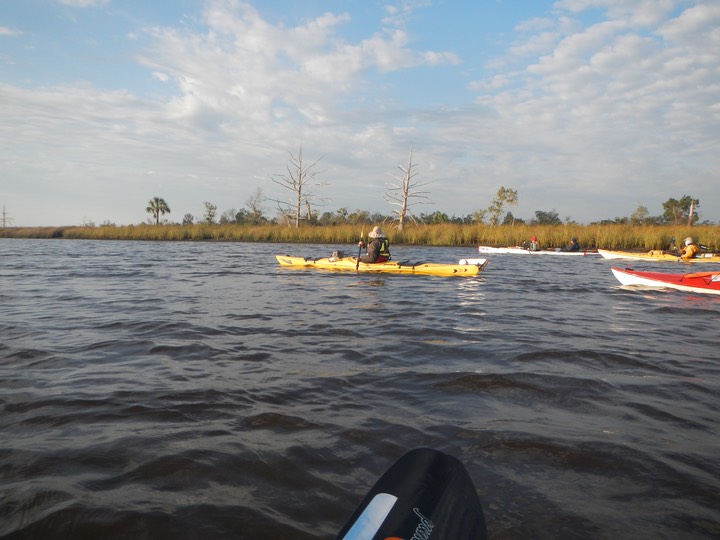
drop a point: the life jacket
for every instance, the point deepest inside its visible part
(690, 251)
(384, 253)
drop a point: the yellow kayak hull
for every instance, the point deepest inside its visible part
(394, 267)
(657, 255)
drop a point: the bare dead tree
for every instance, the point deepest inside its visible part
(691, 213)
(300, 182)
(400, 195)
(254, 205)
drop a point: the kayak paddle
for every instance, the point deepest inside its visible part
(425, 494)
(357, 264)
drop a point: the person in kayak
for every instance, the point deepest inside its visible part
(690, 250)
(378, 249)
(534, 245)
(574, 246)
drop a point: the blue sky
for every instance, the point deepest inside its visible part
(589, 108)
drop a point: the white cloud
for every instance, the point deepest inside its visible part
(698, 26)
(83, 3)
(248, 66)
(4, 31)
(643, 12)
(612, 104)
(536, 24)
(537, 45)
(583, 118)
(399, 13)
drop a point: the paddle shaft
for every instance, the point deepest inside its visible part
(357, 264)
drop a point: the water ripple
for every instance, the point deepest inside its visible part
(196, 390)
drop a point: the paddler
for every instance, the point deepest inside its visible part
(378, 248)
(690, 250)
(573, 246)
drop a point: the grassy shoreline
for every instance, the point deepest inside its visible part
(550, 236)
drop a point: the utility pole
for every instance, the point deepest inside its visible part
(4, 220)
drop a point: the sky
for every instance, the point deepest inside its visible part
(587, 108)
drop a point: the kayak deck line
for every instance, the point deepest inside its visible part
(412, 265)
(398, 263)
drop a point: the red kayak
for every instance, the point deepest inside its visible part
(699, 282)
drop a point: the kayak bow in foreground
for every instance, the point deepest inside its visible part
(701, 282)
(425, 494)
(465, 267)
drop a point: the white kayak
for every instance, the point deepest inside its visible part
(514, 250)
(519, 250)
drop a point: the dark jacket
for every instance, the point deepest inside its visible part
(574, 246)
(378, 250)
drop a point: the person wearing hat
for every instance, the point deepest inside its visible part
(690, 250)
(378, 248)
(534, 245)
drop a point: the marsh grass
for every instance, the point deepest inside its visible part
(640, 238)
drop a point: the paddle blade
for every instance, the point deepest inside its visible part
(425, 494)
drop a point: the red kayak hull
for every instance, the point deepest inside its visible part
(700, 282)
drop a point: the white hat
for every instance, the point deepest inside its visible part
(688, 240)
(376, 233)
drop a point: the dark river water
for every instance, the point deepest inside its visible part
(154, 390)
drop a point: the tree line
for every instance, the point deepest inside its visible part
(302, 199)
(675, 212)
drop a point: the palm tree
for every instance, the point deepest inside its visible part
(157, 206)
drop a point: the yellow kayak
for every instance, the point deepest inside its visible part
(657, 255)
(465, 267)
